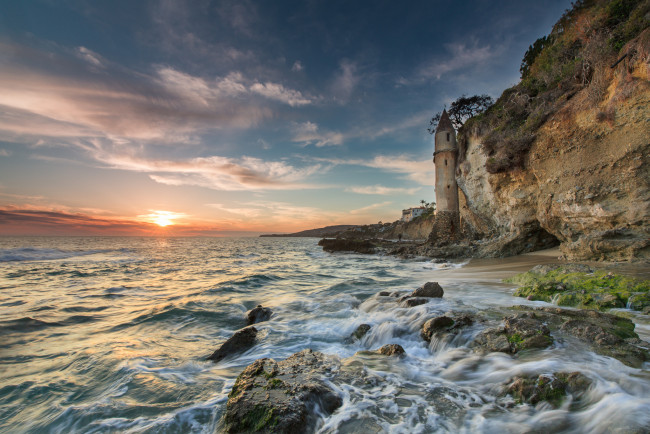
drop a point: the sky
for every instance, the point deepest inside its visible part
(199, 117)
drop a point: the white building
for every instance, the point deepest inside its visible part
(411, 213)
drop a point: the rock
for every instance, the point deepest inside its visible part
(606, 334)
(520, 332)
(258, 314)
(360, 332)
(435, 325)
(391, 350)
(429, 289)
(238, 343)
(282, 397)
(411, 301)
(384, 294)
(492, 340)
(347, 245)
(548, 388)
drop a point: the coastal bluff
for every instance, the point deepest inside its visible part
(563, 157)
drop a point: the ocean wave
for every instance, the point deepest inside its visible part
(34, 254)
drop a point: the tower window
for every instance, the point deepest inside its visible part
(445, 162)
(448, 136)
(448, 186)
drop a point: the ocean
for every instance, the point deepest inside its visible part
(111, 335)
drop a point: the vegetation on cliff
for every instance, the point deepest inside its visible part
(578, 54)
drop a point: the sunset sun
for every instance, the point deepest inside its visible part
(162, 218)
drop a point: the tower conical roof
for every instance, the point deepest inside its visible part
(445, 123)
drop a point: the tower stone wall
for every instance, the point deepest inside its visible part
(446, 228)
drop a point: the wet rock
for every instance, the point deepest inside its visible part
(392, 350)
(347, 245)
(446, 403)
(258, 314)
(549, 388)
(360, 332)
(282, 397)
(606, 334)
(429, 289)
(526, 331)
(241, 341)
(492, 340)
(435, 325)
(384, 294)
(412, 301)
(520, 332)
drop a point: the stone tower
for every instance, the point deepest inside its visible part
(446, 227)
(444, 158)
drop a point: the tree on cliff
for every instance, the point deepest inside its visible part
(462, 109)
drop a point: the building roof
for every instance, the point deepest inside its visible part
(445, 123)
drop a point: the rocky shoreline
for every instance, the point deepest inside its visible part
(293, 395)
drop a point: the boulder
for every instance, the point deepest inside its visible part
(521, 331)
(435, 325)
(549, 388)
(258, 314)
(391, 350)
(238, 343)
(429, 289)
(282, 397)
(360, 332)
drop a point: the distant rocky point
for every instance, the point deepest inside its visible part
(327, 231)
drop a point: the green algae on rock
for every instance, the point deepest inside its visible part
(580, 286)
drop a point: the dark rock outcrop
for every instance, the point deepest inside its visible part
(360, 332)
(347, 245)
(606, 334)
(429, 289)
(282, 397)
(258, 314)
(391, 350)
(549, 388)
(521, 331)
(238, 343)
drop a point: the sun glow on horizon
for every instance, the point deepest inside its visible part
(162, 218)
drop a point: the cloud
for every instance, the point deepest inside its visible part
(346, 80)
(285, 216)
(91, 57)
(215, 172)
(50, 94)
(307, 133)
(415, 170)
(18, 221)
(367, 209)
(297, 66)
(381, 190)
(31, 221)
(4, 153)
(461, 56)
(278, 92)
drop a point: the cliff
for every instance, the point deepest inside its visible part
(327, 231)
(563, 156)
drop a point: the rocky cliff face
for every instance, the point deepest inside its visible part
(584, 181)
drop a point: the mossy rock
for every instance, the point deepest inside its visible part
(577, 285)
(552, 389)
